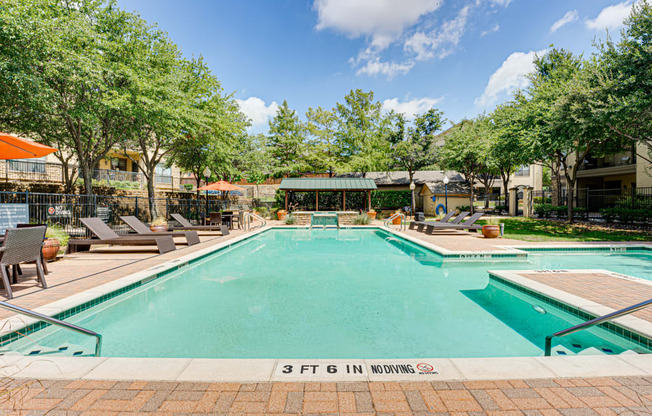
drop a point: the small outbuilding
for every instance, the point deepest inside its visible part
(328, 194)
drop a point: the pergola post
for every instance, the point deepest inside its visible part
(286, 199)
(317, 201)
(369, 199)
(343, 200)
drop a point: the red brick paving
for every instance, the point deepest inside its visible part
(569, 397)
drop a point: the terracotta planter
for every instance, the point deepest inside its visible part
(159, 228)
(371, 215)
(491, 231)
(50, 249)
(397, 220)
(281, 214)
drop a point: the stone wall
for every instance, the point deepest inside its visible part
(303, 218)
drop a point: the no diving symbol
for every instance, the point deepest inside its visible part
(425, 368)
(51, 210)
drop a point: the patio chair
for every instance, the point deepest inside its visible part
(447, 217)
(427, 225)
(186, 225)
(135, 224)
(237, 219)
(466, 225)
(215, 218)
(106, 235)
(22, 245)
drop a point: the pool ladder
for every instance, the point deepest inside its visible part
(593, 322)
(58, 322)
(250, 217)
(389, 220)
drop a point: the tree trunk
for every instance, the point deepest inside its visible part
(570, 186)
(151, 196)
(87, 174)
(472, 197)
(506, 191)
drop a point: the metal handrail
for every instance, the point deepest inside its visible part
(398, 214)
(592, 322)
(248, 216)
(55, 321)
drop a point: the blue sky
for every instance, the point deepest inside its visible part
(460, 56)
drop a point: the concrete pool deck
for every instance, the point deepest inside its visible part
(99, 267)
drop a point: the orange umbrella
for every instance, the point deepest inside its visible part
(220, 186)
(12, 147)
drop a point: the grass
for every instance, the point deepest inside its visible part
(530, 229)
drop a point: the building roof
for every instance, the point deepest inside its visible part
(402, 177)
(327, 184)
(459, 188)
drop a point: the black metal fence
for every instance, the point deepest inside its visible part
(65, 210)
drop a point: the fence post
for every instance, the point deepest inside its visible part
(6, 170)
(136, 208)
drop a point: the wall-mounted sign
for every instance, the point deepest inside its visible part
(104, 213)
(59, 211)
(12, 215)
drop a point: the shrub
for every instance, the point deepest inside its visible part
(542, 200)
(188, 186)
(561, 211)
(391, 199)
(626, 215)
(543, 210)
(500, 209)
(290, 220)
(361, 219)
(464, 208)
(581, 213)
(57, 232)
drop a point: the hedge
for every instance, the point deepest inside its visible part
(626, 215)
(391, 199)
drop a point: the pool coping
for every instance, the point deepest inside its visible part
(258, 370)
(577, 305)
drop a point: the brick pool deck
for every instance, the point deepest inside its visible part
(542, 396)
(547, 397)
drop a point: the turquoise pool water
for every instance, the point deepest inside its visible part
(357, 293)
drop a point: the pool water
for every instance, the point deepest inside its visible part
(356, 293)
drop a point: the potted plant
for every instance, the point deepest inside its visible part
(55, 238)
(492, 228)
(397, 220)
(159, 224)
(281, 213)
(371, 214)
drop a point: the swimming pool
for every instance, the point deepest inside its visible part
(349, 293)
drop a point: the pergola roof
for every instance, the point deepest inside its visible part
(327, 184)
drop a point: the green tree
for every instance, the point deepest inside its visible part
(508, 148)
(465, 150)
(324, 152)
(363, 133)
(65, 75)
(417, 150)
(287, 143)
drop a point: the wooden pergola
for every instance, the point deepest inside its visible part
(328, 185)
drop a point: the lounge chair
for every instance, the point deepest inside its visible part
(445, 219)
(135, 224)
(106, 235)
(428, 225)
(186, 225)
(466, 225)
(22, 245)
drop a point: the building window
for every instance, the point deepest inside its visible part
(163, 174)
(523, 171)
(36, 165)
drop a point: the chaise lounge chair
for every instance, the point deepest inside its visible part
(186, 225)
(466, 225)
(447, 217)
(107, 236)
(142, 229)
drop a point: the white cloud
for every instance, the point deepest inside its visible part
(382, 20)
(569, 17)
(440, 42)
(256, 110)
(510, 76)
(492, 30)
(411, 107)
(389, 69)
(611, 17)
(503, 3)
